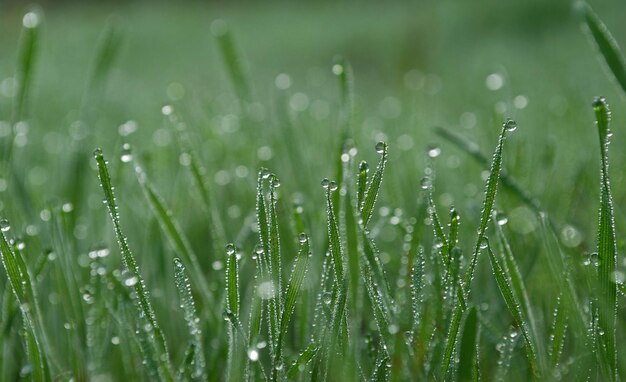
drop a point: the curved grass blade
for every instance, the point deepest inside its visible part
(491, 188)
(367, 209)
(607, 244)
(183, 286)
(27, 57)
(512, 302)
(232, 60)
(361, 183)
(468, 355)
(334, 238)
(606, 44)
(473, 150)
(20, 281)
(291, 295)
(135, 280)
(175, 235)
(305, 357)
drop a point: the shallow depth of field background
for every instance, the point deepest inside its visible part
(466, 66)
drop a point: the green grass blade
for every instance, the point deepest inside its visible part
(20, 282)
(106, 53)
(473, 150)
(135, 280)
(27, 57)
(361, 183)
(374, 185)
(491, 188)
(468, 357)
(175, 235)
(232, 59)
(607, 244)
(191, 318)
(305, 357)
(512, 302)
(606, 44)
(334, 238)
(559, 330)
(232, 281)
(291, 294)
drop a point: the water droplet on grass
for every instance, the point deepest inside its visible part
(510, 125)
(302, 238)
(325, 183)
(127, 154)
(230, 249)
(381, 147)
(433, 151)
(5, 226)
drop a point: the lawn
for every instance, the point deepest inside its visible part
(243, 237)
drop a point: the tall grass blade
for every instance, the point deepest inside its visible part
(175, 234)
(291, 294)
(607, 244)
(512, 302)
(371, 194)
(473, 150)
(135, 281)
(183, 286)
(606, 44)
(20, 282)
(232, 59)
(468, 355)
(232, 281)
(559, 330)
(27, 58)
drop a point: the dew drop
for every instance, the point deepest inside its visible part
(4, 225)
(381, 147)
(332, 185)
(325, 183)
(127, 155)
(302, 238)
(253, 354)
(501, 218)
(230, 249)
(433, 151)
(97, 153)
(510, 125)
(131, 281)
(258, 249)
(484, 243)
(425, 183)
(265, 173)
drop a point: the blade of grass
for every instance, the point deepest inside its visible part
(559, 330)
(135, 280)
(367, 209)
(502, 277)
(607, 244)
(605, 42)
(468, 357)
(232, 59)
(197, 362)
(27, 57)
(291, 295)
(20, 281)
(305, 357)
(175, 235)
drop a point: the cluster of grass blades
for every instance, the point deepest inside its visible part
(280, 305)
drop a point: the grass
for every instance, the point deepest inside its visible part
(210, 267)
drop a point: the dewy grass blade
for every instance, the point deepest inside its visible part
(512, 302)
(473, 150)
(491, 188)
(374, 185)
(606, 44)
(607, 244)
(490, 194)
(468, 357)
(291, 294)
(175, 234)
(361, 183)
(333, 232)
(135, 280)
(192, 320)
(20, 282)
(232, 281)
(305, 357)
(559, 330)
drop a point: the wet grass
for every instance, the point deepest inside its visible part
(247, 238)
